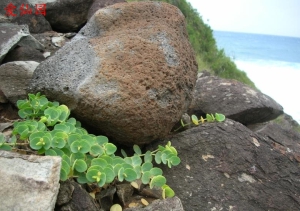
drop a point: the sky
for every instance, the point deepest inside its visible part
(274, 17)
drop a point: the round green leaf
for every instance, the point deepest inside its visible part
(52, 115)
(23, 104)
(117, 160)
(147, 167)
(80, 165)
(110, 148)
(146, 177)
(88, 138)
(65, 166)
(148, 157)
(209, 118)
(64, 113)
(156, 171)
(117, 168)
(66, 159)
(98, 168)
(220, 117)
(195, 119)
(58, 142)
(72, 121)
(63, 175)
(157, 181)
(167, 192)
(39, 140)
(80, 146)
(110, 175)
(72, 138)
(158, 157)
(121, 175)
(102, 180)
(21, 128)
(43, 102)
(41, 126)
(174, 160)
(128, 160)
(136, 160)
(108, 159)
(138, 171)
(165, 156)
(99, 162)
(26, 112)
(62, 128)
(32, 125)
(76, 156)
(93, 175)
(129, 174)
(96, 150)
(172, 149)
(80, 130)
(101, 140)
(81, 179)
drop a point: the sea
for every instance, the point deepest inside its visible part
(271, 62)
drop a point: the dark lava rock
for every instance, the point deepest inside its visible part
(225, 166)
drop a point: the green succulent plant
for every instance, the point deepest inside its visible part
(47, 129)
(196, 121)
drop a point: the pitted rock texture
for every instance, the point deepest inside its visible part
(233, 99)
(129, 72)
(15, 77)
(226, 166)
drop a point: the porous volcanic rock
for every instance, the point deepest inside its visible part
(129, 72)
(226, 166)
(234, 99)
(15, 77)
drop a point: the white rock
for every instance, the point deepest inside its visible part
(28, 182)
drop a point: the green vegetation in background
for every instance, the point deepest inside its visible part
(208, 56)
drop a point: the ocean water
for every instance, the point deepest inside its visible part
(271, 62)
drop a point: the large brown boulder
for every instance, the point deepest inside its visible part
(129, 72)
